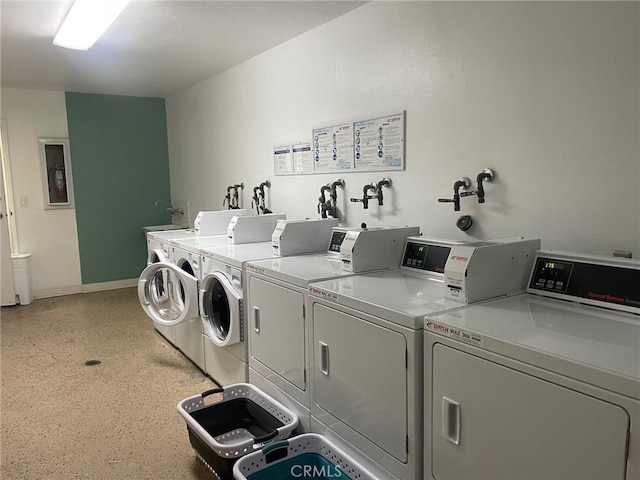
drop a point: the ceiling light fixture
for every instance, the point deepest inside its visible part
(86, 22)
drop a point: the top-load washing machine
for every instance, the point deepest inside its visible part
(366, 340)
(181, 273)
(158, 250)
(222, 291)
(542, 385)
(277, 315)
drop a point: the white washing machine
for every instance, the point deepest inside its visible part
(179, 310)
(206, 223)
(185, 254)
(277, 315)
(223, 288)
(366, 340)
(542, 385)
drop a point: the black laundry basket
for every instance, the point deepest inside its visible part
(244, 420)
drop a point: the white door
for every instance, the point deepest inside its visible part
(360, 377)
(7, 291)
(156, 291)
(489, 421)
(277, 330)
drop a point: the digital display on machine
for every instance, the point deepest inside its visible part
(421, 256)
(337, 238)
(602, 283)
(552, 275)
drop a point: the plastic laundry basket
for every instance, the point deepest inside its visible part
(306, 456)
(244, 420)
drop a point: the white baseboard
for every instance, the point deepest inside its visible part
(97, 287)
(57, 291)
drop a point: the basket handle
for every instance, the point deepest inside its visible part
(211, 392)
(275, 451)
(266, 437)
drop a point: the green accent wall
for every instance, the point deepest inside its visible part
(120, 166)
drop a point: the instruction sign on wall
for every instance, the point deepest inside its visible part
(379, 143)
(333, 148)
(371, 144)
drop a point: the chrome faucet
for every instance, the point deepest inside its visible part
(170, 208)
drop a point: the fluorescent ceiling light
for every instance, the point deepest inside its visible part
(86, 21)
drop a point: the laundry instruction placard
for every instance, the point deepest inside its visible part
(333, 148)
(379, 143)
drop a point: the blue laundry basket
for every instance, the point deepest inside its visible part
(307, 456)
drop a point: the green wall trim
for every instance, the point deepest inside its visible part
(120, 163)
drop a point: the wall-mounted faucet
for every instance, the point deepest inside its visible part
(259, 197)
(385, 182)
(463, 182)
(373, 187)
(324, 205)
(170, 208)
(235, 204)
(484, 176)
(227, 197)
(232, 201)
(334, 193)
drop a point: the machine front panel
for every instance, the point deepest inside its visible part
(489, 421)
(360, 377)
(277, 330)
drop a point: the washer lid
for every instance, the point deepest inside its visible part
(221, 310)
(157, 288)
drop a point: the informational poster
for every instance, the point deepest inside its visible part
(379, 143)
(333, 148)
(282, 160)
(302, 158)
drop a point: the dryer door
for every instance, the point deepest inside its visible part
(220, 309)
(155, 291)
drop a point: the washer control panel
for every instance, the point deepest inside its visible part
(596, 280)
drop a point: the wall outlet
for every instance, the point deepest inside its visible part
(24, 201)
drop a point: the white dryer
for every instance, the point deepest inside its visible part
(176, 311)
(541, 385)
(277, 315)
(366, 340)
(222, 291)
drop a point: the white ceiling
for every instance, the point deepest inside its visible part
(155, 47)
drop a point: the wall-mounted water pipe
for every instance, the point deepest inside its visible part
(232, 199)
(332, 204)
(463, 183)
(369, 187)
(385, 182)
(484, 176)
(170, 208)
(236, 200)
(258, 199)
(324, 205)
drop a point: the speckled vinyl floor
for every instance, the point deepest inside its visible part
(117, 420)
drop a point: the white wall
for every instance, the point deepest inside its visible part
(544, 93)
(49, 235)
